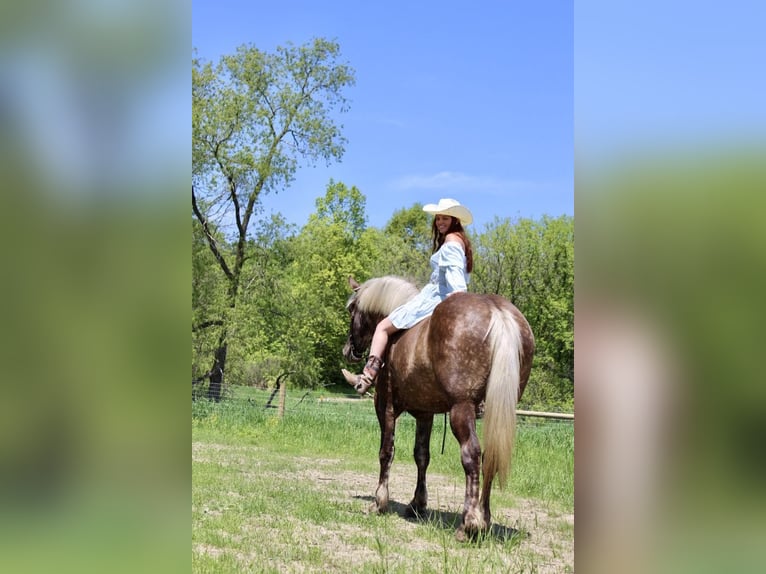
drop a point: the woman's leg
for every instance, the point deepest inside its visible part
(380, 337)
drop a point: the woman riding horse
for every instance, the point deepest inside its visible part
(451, 265)
(473, 348)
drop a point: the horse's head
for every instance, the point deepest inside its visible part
(368, 304)
(360, 330)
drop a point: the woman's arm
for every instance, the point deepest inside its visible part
(451, 267)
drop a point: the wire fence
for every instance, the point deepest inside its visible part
(318, 402)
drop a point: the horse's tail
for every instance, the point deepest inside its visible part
(504, 338)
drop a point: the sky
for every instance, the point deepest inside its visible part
(472, 101)
(667, 76)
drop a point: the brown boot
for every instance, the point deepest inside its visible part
(363, 382)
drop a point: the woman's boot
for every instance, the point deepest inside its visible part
(363, 382)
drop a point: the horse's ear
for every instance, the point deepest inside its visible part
(354, 285)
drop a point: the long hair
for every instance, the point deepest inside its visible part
(455, 227)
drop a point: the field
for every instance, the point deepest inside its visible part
(291, 494)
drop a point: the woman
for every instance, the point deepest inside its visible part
(451, 265)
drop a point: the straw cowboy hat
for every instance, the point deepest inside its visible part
(450, 207)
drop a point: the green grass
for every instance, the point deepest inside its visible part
(273, 495)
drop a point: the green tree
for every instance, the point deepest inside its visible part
(405, 246)
(208, 294)
(413, 225)
(255, 118)
(531, 262)
(327, 253)
(260, 349)
(344, 207)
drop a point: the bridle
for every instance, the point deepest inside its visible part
(354, 354)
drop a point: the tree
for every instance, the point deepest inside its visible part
(406, 245)
(208, 290)
(531, 262)
(413, 225)
(255, 118)
(257, 329)
(327, 252)
(344, 207)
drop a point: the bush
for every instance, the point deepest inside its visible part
(546, 392)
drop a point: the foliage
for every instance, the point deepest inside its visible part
(405, 246)
(531, 262)
(291, 315)
(413, 225)
(269, 298)
(208, 296)
(255, 118)
(327, 255)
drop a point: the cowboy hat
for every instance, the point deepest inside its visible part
(450, 207)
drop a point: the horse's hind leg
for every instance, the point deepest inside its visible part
(422, 454)
(463, 423)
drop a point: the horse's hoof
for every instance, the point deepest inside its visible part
(471, 530)
(374, 508)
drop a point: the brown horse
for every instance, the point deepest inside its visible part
(473, 348)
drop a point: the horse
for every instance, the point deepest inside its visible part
(474, 348)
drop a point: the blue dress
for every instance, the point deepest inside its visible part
(448, 274)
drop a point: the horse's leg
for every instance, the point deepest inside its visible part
(463, 423)
(486, 491)
(387, 420)
(422, 453)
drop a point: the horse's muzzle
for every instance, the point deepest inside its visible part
(350, 353)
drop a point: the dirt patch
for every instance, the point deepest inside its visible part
(544, 536)
(547, 533)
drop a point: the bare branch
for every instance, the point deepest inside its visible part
(234, 201)
(211, 241)
(206, 324)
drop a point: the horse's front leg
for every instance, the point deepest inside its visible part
(387, 420)
(422, 454)
(463, 423)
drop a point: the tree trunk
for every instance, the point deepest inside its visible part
(219, 358)
(216, 373)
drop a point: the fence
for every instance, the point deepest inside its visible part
(267, 399)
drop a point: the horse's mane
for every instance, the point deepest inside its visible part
(382, 295)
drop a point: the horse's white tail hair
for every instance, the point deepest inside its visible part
(504, 338)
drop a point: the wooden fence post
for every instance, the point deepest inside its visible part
(282, 397)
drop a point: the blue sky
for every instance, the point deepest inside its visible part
(452, 99)
(667, 76)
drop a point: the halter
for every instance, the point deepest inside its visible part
(352, 350)
(353, 353)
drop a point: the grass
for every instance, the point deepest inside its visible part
(291, 494)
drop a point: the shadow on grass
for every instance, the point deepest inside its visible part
(450, 521)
